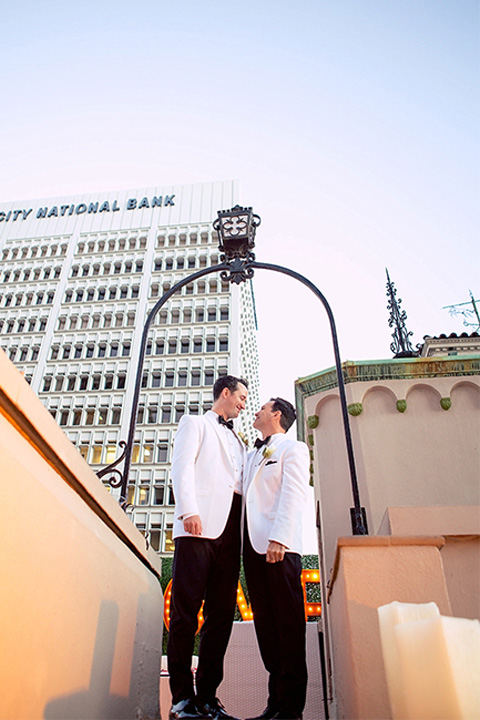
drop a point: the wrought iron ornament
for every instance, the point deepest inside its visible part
(236, 230)
(401, 345)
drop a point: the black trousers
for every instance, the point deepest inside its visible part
(203, 570)
(276, 597)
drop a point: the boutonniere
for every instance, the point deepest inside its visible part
(268, 451)
(243, 438)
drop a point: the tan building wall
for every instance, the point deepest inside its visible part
(416, 433)
(80, 600)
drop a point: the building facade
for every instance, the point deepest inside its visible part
(78, 277)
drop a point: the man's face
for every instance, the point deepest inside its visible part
(264, 417)
(235, 401)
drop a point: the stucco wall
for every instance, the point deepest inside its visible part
(80, 602)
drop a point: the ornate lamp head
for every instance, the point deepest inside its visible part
(236, 231)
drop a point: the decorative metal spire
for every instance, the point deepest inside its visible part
(401, 345)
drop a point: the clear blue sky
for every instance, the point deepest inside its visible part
(352, 125)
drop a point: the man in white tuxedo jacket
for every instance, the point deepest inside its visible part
(275, 496)
(207, 474)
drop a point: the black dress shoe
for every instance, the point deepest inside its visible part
(217, 710)
(188, 710)
(267, 714)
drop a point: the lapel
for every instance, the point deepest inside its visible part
(275, 443)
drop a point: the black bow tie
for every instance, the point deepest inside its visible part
(227, 423)
(260, 443)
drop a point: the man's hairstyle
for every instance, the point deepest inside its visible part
(227, 381)
(288, 412)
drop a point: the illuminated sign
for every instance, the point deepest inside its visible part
(311, 609)
(93, 207)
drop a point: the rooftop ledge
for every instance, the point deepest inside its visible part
(394, 369)
(24, 410)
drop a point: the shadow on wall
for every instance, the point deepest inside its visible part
(97, 702)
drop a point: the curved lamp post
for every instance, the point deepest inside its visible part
(236, 230)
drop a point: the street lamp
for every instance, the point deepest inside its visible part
(236, 231)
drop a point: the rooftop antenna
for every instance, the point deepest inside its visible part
(468, 314)
(401, 346)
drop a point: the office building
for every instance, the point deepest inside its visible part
(78, 277)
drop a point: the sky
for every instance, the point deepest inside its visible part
(351, 125)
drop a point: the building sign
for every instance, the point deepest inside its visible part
(92, 207)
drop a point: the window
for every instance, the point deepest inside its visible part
(199, 315)
(73, 322)
(84, 323)
(121, 381)
(54, 353)
(47, 384)
(21, 326)
(166, 414)
(113, 293)
(182, 379)
(83, 382)
(179, 411)
(197, 345)
(180, 263)
(39, 298)
(187, 316)
(224, 313)
(158, 264)
(108, 385)
(143, 493)
(209, 377)
(23, 354)
(66, 352)
(90, 294)
(185, 346)
(172, 347)
(64, 417)
(140, 415)
(128, 267)
(90, 416)
(78, 352)
(169, 379)
(116, 414)
(191, 262)
(85, 271)
(144, 380)
(195, 377)
(210, 344)
(42, 324)
(96, 382)
(148, 453)
(90, 350)
(169, 264)
(126, 349)
(31, 325)
(162, 318)
(155, 379)
(158, 494)
(152, 414)
(61, 323)
(79, 296)
(223, 344)
(101, 294)
(102, 416)
(114, 350)
(212, 314)
(102, 350)
(77, 417)
(189, 289)
(96, 455)
(162, 453)
(148, 349)
(123, 292)
(12, 353)
(71, 383)
(159, 347)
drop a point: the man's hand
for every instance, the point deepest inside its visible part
(275, 552)
(193, 525)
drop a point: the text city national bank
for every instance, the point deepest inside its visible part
(93, 207)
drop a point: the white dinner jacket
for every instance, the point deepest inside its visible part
(203, 473)
(275, 493)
